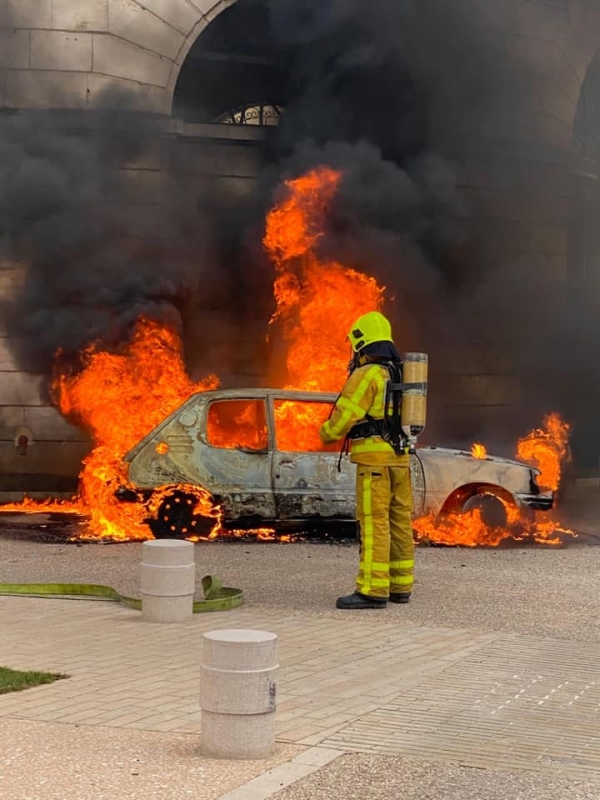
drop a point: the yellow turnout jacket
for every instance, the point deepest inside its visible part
(363, 394)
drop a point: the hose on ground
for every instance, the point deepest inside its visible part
(216, 596)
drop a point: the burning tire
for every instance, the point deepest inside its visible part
(492, 509)
(175, 518)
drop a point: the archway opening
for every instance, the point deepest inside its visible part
(250, 69)
(584, 273)
(235, 76)
(235, 73)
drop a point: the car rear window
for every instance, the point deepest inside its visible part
(297, 426)
(237, 423)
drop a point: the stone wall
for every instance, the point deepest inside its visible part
(66, 53)
(50, 460)
(514, 172)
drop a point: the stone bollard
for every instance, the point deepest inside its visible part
(238, 693)
(167, 581)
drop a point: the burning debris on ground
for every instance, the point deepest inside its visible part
(479, 451)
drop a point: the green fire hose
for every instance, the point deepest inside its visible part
(216, 596)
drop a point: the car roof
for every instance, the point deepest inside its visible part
(233, 394)
(276, 394)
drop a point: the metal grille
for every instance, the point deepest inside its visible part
(258, 114)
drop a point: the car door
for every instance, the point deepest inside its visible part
(306, 479)
(235, 456)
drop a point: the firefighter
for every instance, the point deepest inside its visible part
(383, 487)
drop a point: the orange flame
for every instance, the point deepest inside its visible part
(547, 449)
(463, 529)
(468, 529)
(479, 451)
(317, 301)
(118, 397)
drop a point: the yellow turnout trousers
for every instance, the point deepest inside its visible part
(384, 505)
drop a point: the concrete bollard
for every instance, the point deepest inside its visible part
(238, 693)
(167, 581)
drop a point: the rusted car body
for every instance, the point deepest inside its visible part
(258, 454)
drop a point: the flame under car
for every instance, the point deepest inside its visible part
(257, 453)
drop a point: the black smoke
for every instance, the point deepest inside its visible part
(389, 93)
(386, 91)
(97, 256)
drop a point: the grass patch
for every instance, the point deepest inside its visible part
(12, 680)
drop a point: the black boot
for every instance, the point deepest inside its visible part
(358, 601)
(400, 597)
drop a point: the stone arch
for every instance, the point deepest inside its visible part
(235, 72)
(71, 55)
(583, 270)
(207, 16)
(584, 236)
(586, 127)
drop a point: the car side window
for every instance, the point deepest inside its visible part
(235, 424)
(297, 426)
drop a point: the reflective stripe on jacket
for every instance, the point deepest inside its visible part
(363, 394)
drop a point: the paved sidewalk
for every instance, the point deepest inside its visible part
(360, 683)
(127, 673)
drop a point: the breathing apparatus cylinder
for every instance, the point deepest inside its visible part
(413, 411)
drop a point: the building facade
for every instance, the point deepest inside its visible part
(527, 178)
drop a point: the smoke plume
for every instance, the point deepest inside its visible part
(95, 261)
(388, 93)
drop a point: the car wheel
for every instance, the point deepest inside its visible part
(492, 509)
(175, 519)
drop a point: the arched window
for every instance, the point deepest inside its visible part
(234, 74)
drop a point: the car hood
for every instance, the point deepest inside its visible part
(448, 452)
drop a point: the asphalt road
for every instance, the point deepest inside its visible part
(357, 776)
(538, 590)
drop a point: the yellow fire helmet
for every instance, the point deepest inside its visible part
(370, 328)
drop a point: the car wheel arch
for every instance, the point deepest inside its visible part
(457, 499)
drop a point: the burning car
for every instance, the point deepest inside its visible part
(256, 454)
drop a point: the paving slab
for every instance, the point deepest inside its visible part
(129, 673)
(519, 702)
(442, 694)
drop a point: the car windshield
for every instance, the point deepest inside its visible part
(297, 424)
